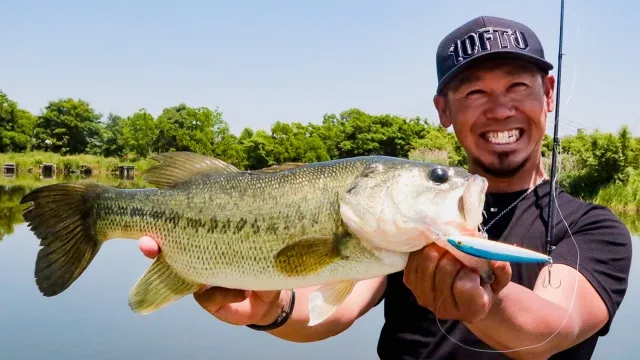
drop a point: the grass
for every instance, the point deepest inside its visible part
(440, 157)
(31, 161)
(624, 200)
(621, 197)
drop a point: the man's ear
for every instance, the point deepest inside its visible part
(549, 86)
(440, 102)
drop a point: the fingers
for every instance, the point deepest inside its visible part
(214, 298)
(239, 307)
(432, 255)
(441, 283)
(430, 274)
(447, 275)
(148, 247)
(502, 272)
(419, 274)
(473, 300)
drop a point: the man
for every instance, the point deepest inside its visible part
(495, 90)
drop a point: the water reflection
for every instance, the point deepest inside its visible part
(9, 169)
(48, 171)
(13, 187)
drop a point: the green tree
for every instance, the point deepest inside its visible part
(366, 134)
(69, 126)
(16, 126)
(259, 149)
(295, 142)
(138, 133)
(330, 133)
(113, 136)
(184, 128)
(437, 144)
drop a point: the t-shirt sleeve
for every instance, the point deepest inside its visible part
(604, 246)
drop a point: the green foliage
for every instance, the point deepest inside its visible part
(16, 126)
(138, 133)
(112, 135)
(600, 159)
(69, 127)
(602, 167)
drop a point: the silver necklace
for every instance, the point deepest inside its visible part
(484, 229)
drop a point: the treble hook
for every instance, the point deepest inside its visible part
(548, 283)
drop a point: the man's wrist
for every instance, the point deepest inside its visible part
(277, 314)
(276, 309)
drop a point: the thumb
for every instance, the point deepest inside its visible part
(502, 272)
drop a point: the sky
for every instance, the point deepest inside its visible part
(265, 61)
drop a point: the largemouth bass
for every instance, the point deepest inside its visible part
(327, 224)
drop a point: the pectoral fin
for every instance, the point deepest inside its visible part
(325, 300)
(159, 286)
(307, 256)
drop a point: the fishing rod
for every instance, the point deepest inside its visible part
(552, 194)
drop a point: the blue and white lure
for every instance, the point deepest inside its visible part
(493, 250)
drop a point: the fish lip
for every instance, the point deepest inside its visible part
(465, 204)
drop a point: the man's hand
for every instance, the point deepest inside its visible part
(232, 306)
(444, 285)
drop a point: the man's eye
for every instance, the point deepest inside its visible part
(519, 85)
(474, 92)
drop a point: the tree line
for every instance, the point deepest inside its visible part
(590, 161)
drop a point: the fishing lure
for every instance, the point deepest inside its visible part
(493, 250)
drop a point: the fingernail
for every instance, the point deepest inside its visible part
(203, 288)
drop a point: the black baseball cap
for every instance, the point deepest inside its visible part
(485, 37)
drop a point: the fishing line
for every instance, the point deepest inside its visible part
(575, 290)
(548, 267)
(575, 63)
(553, 195)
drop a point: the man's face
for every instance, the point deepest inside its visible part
(499, 115)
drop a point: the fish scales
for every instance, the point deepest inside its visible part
(225, 230)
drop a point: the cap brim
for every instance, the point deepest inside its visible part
(497, 54)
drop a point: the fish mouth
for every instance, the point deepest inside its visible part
(471, 201)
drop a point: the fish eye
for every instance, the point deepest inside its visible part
(439, 175)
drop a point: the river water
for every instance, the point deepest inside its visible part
(91, 320)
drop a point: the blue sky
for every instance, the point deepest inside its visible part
(267, 61)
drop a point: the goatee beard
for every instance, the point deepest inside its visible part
(502, 171)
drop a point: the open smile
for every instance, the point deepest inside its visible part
(506, 137)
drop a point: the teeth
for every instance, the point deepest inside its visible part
(503, 137)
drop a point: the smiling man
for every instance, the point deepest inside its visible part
(495, 90)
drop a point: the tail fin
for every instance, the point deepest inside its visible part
(61, 218)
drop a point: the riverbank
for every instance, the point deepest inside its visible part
(89, 164)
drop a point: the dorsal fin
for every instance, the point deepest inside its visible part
(176, 167)
(279, 167)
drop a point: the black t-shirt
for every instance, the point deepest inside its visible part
(410, 330)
